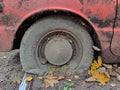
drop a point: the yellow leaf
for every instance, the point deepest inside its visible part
(96, 63)
(46, 84)
(98, 72)
(29, 78)
(99, 61)
(101, 77)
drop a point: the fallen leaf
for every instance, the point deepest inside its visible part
(69, 80)
(113, 85)
(50, 81)
(118, 70)
(83, 23)
(118, 76)
(107, 66)
(101, 77)
(90, 79)
(107, 74)
(47, 84)
(89, 72)
(96, 48)
(115, 65)
(98, 72)
(76, 76)
(50, 77)
(99, 61)
(102, 70)
(61, 77)
(96, 63)
(40, 77)
(28, 78)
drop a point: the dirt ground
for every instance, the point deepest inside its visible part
(11, 74)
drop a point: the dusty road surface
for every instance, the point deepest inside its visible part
(11, 74)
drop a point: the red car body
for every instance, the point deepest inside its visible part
(102, 15)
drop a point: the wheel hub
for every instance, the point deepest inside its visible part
(58, 51)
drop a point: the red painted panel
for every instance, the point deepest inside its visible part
(116, 38)
(99, 13)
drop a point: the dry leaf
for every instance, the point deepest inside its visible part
(115, 65)
(89, 72)
(118, 76)
(102, 70)
(118, 70)
(96, 48)
(50, 81)
(29, 78)
(61, 77)
(76, 76)
(107, 66)
(40, 77)
(46, 84)
(69, 80)
(107, 74)
(113, 85)
(90, 79)
(83, 23)
(50, 77)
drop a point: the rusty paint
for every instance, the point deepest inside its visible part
(103, 9)
(99, 13)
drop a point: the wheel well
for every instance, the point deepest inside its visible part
(32, 19)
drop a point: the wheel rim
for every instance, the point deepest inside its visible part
(57, 47)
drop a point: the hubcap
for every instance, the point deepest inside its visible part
(58, 51)
(57, 47)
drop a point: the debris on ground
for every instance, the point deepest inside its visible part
(102, 73)
(96, 48)
(11, 75)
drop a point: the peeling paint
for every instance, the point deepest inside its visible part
(9, 20)
(102, 23)
(102, 9)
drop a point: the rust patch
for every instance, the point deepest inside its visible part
(9, 20)
(101, 23)
(102, 9)
(81, 1)
(106, 34)
(20, 3)
(1, 6)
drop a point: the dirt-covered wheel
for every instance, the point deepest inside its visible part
(56, 41)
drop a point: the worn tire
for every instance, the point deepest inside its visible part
(37, 30)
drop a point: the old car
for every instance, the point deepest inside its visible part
(60, 32)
